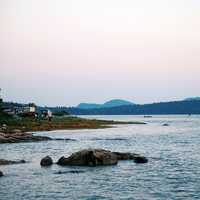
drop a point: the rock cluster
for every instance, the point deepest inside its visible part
(21, 137)
(99, 157)
(90, 157)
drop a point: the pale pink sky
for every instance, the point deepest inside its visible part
(69, 51)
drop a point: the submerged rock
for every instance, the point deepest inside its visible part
(1, 173)
(125, 156)
(70, 172)
(46, 161)
(90, 157)
(10, 162)
(131, 156)
(140, 159)
(64, 139)
(165, 124)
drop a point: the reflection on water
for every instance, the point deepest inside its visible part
(172, 172)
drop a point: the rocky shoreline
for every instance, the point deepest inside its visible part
(21, 137)
(15, 130)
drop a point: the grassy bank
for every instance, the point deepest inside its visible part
(58, 123)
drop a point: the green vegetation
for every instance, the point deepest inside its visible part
(31, 124)
(1, 103)
(60, 113)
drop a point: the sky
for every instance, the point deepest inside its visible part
(69, 51)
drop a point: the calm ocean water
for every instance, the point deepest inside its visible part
(173, 171)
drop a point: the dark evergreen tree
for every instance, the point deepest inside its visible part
(1, 101)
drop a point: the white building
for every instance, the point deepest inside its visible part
(31, 108)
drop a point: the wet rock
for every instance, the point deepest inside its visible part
(10, 162)
(1, 173)
(21, 137)
(125, 156)
(165, 124)
(140, 159)
(90, 157)
(46, 161)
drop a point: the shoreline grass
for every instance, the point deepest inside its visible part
(59, 123)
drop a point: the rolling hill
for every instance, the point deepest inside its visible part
(108, 104)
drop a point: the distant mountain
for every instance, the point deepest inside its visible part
(192, 99)
(163, 108)
(117, 102)
(88, 106)
(108, 104)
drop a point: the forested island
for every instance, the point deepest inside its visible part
(162, 108)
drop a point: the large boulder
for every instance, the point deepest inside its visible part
(46, 161)
(99, 157)
(1, 173)
(90, 157)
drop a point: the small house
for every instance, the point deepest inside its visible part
(30, 108)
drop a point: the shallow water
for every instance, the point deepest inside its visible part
(173, 171)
